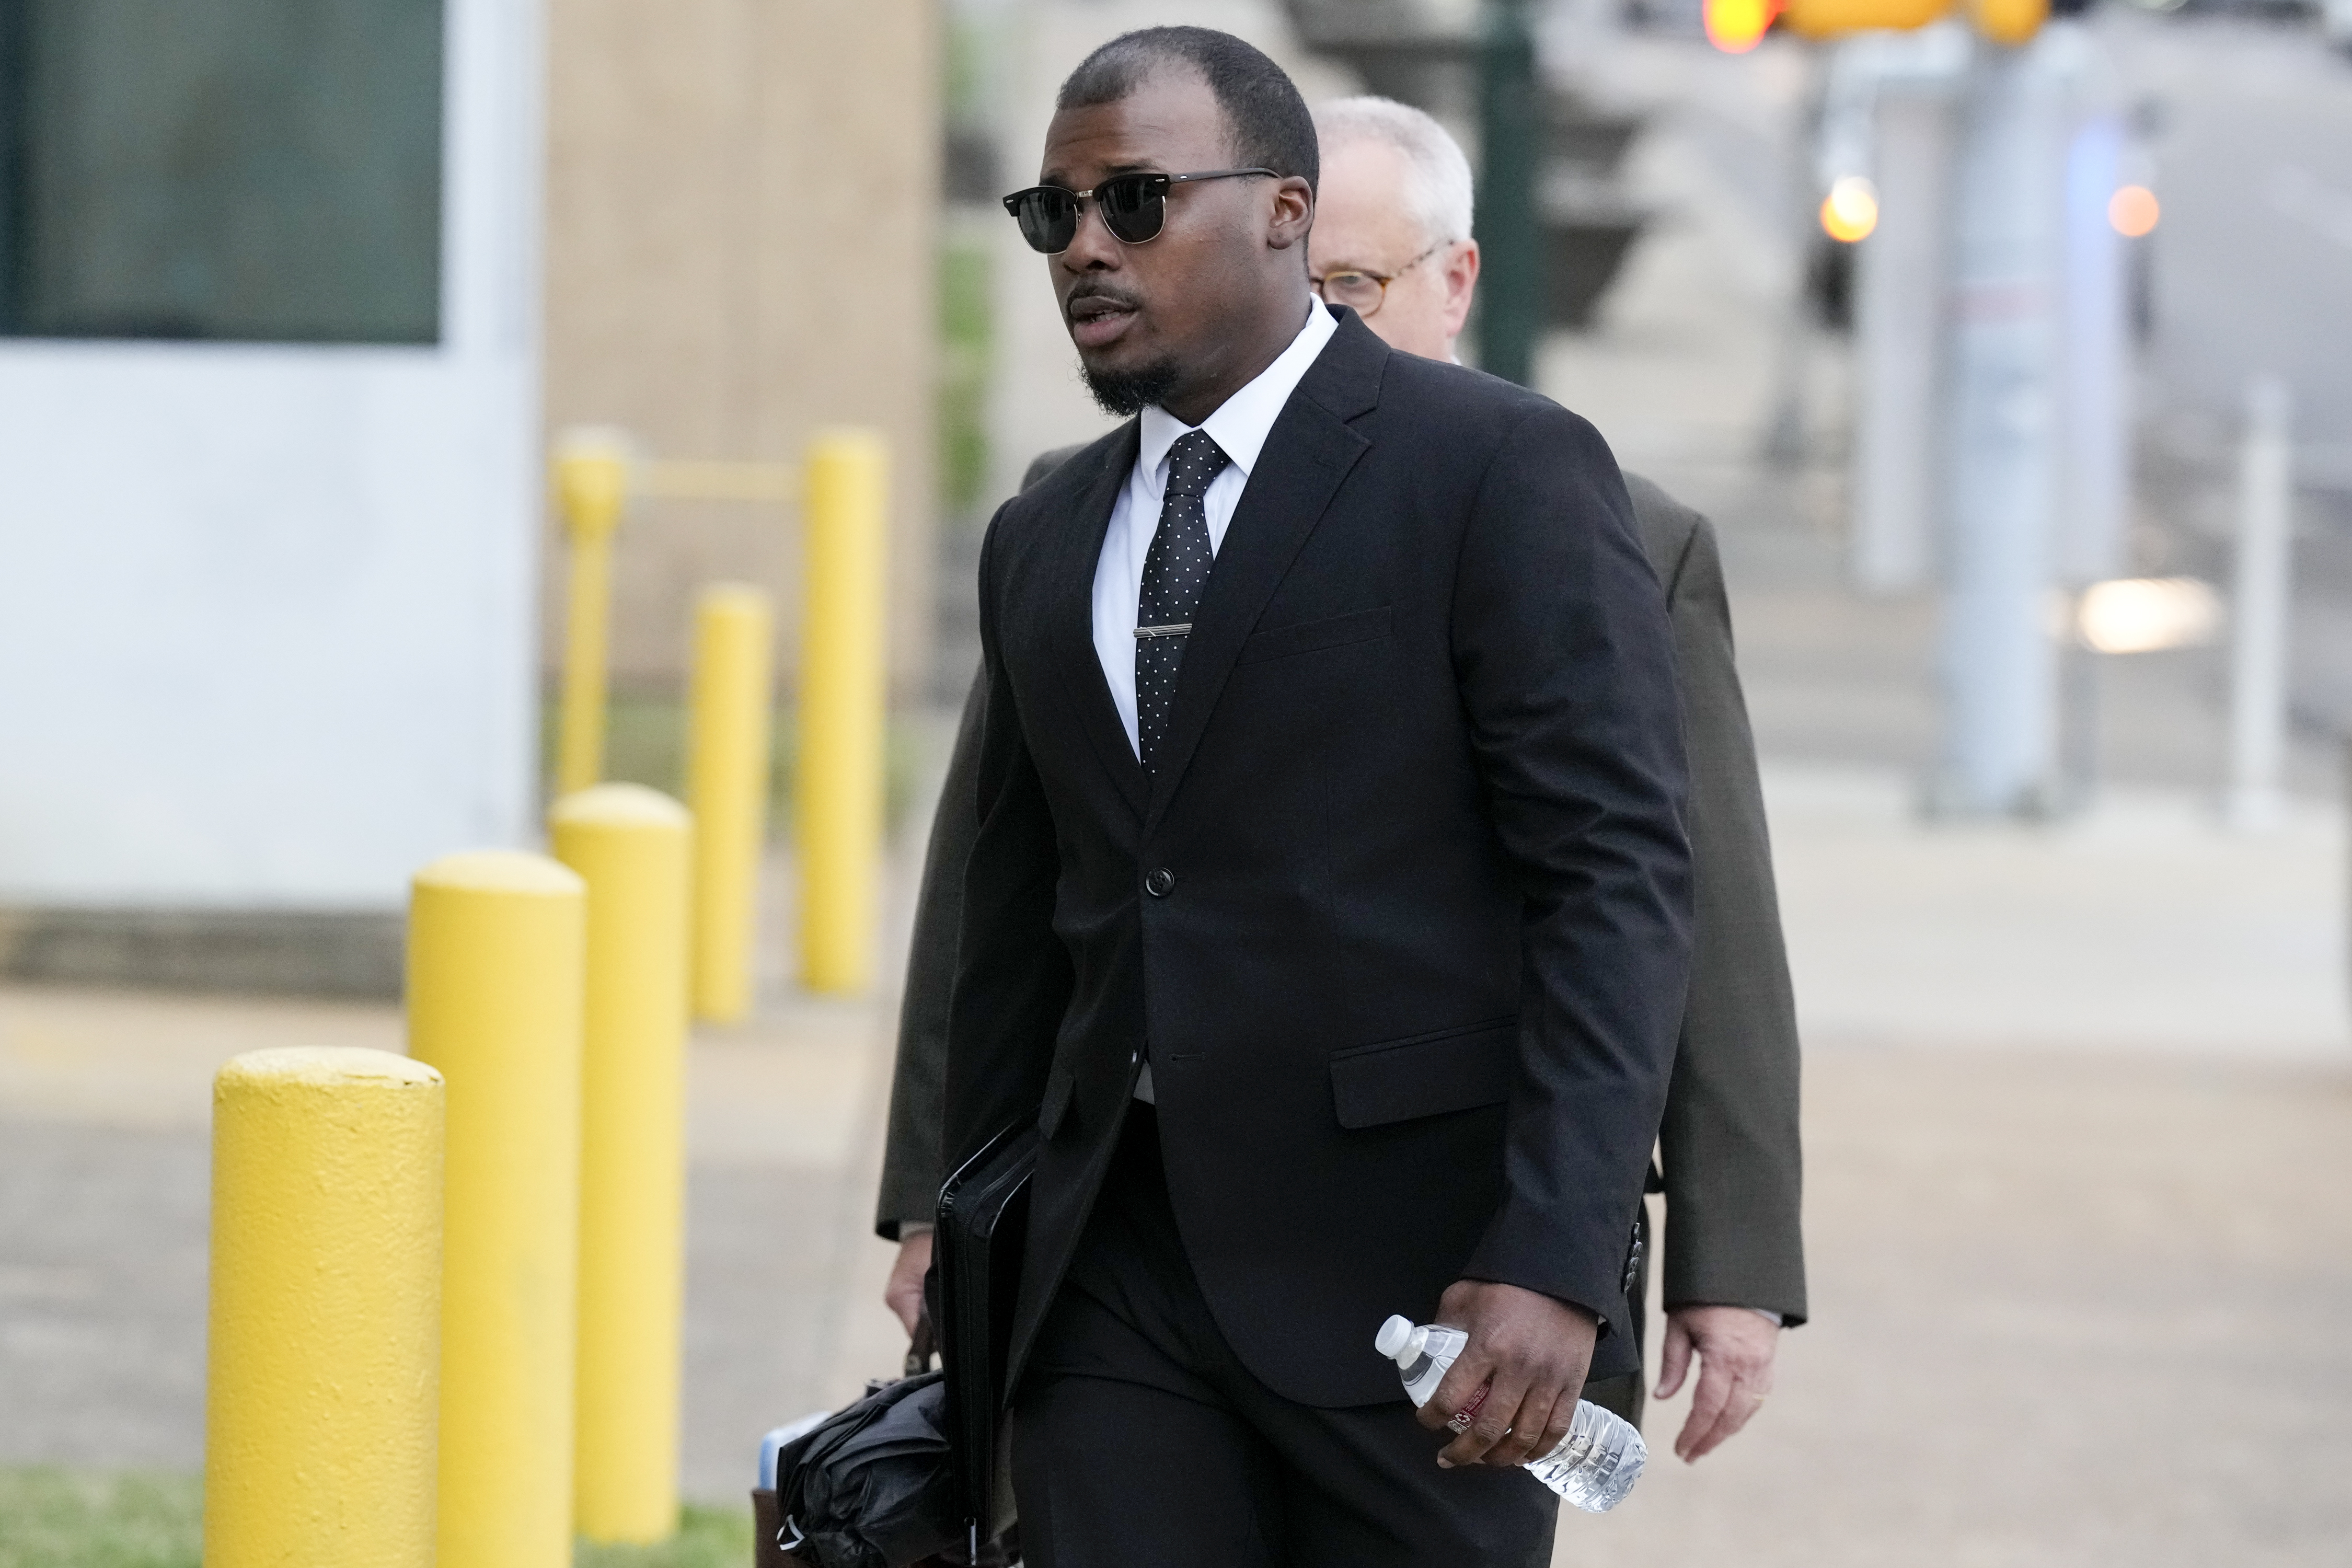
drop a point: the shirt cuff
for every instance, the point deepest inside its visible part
(909, 1229)
(1767, 1313)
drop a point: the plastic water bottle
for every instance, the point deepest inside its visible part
(1594, 1466)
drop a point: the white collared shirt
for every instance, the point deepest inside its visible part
(1239, 428)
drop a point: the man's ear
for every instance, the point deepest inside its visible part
(1461, 276)
(1293, 214)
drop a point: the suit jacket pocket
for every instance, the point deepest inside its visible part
(1307, 636)
(1425, 1075)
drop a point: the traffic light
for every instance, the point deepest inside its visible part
(1850, 211)
(2006, 22)
(1835, 18)
(1735, 26)
(2009, 23)
(2132, 212)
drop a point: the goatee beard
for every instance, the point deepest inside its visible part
(1123, 392)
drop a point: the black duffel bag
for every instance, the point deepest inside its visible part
(870, 1487)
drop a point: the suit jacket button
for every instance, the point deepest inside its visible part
(1160, 883)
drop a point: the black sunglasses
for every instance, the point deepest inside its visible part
(1134, 207)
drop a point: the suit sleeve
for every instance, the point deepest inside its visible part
(911, 1151)
(1565, 663)
(1729, 1140)
(1012, 973)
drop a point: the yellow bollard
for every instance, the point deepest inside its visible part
(727, 786)
(630, 845)
(838, 796)
(495, 943)
(325, 1318)
(591, 482)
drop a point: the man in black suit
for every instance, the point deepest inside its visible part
(1328, 911)
(1392, 237)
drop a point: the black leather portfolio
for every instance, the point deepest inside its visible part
(983, 1224)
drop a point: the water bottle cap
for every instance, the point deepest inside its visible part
(1395, 1335)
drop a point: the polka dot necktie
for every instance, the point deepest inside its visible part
(1175, 570)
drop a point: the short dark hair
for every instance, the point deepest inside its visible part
(1268, 120)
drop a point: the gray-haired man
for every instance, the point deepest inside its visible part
(1392, 241)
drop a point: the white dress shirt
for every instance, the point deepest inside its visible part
(1239, 428)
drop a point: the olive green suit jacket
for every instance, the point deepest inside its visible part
(1728, 1146)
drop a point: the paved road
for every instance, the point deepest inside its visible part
(2254, 257)
(2254, 273)
(1685, 365)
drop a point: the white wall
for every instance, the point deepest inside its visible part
(266, 628)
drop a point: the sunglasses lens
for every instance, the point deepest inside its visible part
(1133, 207)
(1048, 218)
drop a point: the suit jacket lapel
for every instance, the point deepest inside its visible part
(1306, 456)
(1073, 611)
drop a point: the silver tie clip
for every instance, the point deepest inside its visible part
(1169, 630)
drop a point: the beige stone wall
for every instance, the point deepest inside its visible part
(740, 238)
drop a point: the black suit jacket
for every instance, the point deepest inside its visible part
(1403, 919)
(1733, 1161)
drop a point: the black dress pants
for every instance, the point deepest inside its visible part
(1141, 1441)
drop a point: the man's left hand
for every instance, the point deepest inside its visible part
(1530, 1353)
(904, 1292)
(1735, 1346)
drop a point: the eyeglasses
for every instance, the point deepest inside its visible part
(1363, 292)
(1134, 207)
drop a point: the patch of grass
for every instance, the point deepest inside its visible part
(79, 1519)
(705, 1538)
(70, 1519)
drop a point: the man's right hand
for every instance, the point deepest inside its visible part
(903, 1294)
(1529, 1354)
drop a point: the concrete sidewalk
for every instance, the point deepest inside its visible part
(2139, 928)
(2116, 1226)
(2069, 1310)
(104, 1129)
